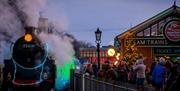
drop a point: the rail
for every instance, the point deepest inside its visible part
(80, 82)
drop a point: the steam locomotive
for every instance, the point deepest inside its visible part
(30, 67)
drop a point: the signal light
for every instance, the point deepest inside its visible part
(28, 37)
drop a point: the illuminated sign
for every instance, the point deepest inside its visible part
(148, 41)
(172, 30)
(167, 50)
(111, 52)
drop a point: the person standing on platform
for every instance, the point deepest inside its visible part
(158, 75)
(88, 70)
(122, 71)
(7, 83)
(140, 69)
(94, 69)
(173, 82)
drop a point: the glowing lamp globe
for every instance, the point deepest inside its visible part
(28, 37)
(111, 52)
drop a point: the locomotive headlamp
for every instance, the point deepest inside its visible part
(28, 37)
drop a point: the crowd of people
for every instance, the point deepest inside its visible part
(163, 74)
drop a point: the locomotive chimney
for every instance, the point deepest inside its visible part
(30, 30)
(29, 33)
(43, 24)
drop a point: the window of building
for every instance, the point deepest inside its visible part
(102, 53)
(169, 18)
(88, 53)
(147, 32)
(84, 54)
(154, 30)
(94, 53)
(140, 34)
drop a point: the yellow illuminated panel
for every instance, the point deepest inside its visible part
(28, 37)
(118, 56)
(116, 62)
(111, 52)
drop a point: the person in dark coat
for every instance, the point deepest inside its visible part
(173, 80)
(7, 84)
(94, 69)
(122, 71)
(175, 85)
(111, 74)
(46, 84)
(158, 75)
(88, 70)
(152, 66)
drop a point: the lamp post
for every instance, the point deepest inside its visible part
(98, 41)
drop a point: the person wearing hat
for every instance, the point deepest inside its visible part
(178, 60)
(140, 69)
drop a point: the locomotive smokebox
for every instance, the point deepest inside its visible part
(29, 65)
(28, 51)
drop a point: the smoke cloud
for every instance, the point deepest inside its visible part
(14, 15)
(60, 47)
(10, 28)
(31, 9)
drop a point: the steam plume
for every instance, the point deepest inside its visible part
(60, 48)
(10, 28)
(31, 9)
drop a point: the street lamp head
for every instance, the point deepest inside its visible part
(98, 36)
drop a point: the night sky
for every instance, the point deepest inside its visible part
(82, 17)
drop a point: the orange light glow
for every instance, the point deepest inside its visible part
(28, 37)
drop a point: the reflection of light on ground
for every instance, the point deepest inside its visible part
(63, 75)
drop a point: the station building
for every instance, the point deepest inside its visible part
(156, 37)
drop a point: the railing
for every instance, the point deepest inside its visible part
(86, 83)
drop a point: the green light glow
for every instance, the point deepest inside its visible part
(63, 74)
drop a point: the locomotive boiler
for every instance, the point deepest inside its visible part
(30, 66)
